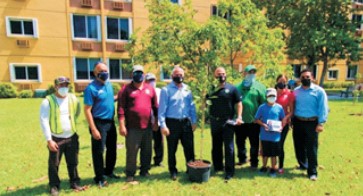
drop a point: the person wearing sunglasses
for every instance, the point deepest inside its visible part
(58, 114)
(310, 114)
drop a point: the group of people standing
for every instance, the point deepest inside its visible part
(144, 112)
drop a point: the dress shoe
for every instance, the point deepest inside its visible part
(54, 191)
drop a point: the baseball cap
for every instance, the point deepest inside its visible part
(150, 76)
(138, 68)
(61, 80)
(271, 91)
(250, 67)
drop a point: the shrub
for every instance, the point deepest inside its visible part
(7, 90)
(26, 94)
(116, 88)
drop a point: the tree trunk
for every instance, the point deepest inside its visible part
(325, 69)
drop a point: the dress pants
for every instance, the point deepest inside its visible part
(108, 139)
(222, 136)
(252, 132)
(180, 129)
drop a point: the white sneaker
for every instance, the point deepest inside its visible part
(313, 177)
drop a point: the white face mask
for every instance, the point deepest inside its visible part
(152, 83)
(271, 99)
(63, 91)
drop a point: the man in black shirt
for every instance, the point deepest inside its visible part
(224, 98)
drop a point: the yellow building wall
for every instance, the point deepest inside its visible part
(53, 48)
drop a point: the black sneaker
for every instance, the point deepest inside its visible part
(173, 176)
(273, 173)
(102, 184)
(263, 170)
(54, 191)
(113, 176)
(144, 174)
(77, 188)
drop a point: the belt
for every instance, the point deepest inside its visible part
(314, 118)
(178, 119)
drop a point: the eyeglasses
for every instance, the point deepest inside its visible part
(61, 80)
(252, 72)
(305, 77)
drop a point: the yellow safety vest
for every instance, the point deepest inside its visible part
(54, 113)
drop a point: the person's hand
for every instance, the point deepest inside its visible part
(239, 121)
(194, 127)
(123, 130)
(155, 127)
(96, 134)
(165, 131)
(265, 126)
(53, 146)
(319, 128)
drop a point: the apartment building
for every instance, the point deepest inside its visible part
(43, 39)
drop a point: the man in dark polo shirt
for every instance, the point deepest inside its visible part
(136, 102)
(224, 98)
(99, 110)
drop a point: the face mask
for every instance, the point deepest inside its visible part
(152, 83)
(63, 91)
(178, 79)
(249, 79)
(306, 82)
(138, 77)
(103, 76)
(221, 79)
(281, 85)
(271, 99)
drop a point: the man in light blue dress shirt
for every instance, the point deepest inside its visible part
(310, 114)
(178, 118)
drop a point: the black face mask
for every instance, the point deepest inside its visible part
(103, 76)
(305, 82)
(178, 79)
(138, 77)
(281, 85)
(221, 79)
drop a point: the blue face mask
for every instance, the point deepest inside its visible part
(249, 79)
(103, 76)
(138, 77)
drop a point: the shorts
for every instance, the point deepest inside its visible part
(270, 149)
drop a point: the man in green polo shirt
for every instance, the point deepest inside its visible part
(253, 95)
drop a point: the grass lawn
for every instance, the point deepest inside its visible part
(24, 157)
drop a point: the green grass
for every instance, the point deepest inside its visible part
(24, 157)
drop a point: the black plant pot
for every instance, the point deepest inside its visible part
(199, 171)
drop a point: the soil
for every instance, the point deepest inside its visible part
(199, 164)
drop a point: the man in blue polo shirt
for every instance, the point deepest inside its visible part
(224, 98)
(310, 114)
(99, 110)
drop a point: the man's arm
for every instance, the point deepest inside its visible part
(44, 123)
(95, 133)
(121, 103)
(163, 104)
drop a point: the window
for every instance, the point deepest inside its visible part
(118, 28)
(175, 1)
(25, 27)
(358, 1)
(86, 27)
(357, 20)
(332, 74)
(165, 72)
(216, 12)
(297, 69)
(314, 71)
(25, 72)
(352, 72)
(120, 69)
(84, 68)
